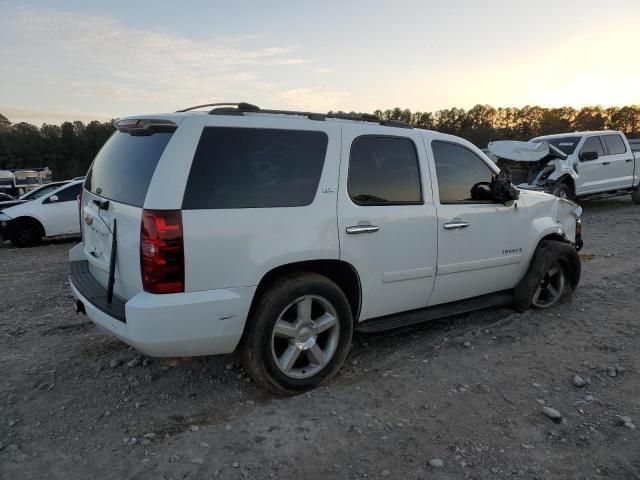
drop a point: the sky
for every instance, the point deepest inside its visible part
(68, 60)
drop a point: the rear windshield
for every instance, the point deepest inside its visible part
(566, 144)
(123, 168)
(255, 168)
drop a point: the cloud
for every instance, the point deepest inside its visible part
(309, 99)
(65, 60)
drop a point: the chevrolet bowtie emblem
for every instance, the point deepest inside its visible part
(88, 219)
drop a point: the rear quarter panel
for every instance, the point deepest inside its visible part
(237, 247)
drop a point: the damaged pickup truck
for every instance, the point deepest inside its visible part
(576, 165)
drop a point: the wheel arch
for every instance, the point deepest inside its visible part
(340, 272)
(569, 181)
(26, 218)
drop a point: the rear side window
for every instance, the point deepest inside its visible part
(593, 144)
(615, 144)
(384, 171)
(123, 168)
(255, 168)
(459, 170)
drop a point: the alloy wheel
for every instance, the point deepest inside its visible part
(305, 336)
(551, 287)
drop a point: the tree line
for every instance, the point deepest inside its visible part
(69, 148)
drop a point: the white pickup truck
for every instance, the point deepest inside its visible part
(573, 165)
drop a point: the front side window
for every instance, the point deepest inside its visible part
(615, 144)
(384, 171)
(463, 177)
(255, 168)
(69, 193)
(593, 144)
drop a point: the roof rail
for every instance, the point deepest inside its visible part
(243, 107)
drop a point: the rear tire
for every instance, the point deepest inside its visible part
(25, 233)
(635, 195)
(298, 335)
(552, 277)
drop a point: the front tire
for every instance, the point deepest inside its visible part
(25, 233)
(299, 334)
(562, 190)
(552, 277)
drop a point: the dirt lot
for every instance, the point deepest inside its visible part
(75, 403)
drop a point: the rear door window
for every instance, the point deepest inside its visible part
(615, 144)
(384, 171)
(255, 168)
(123, 168)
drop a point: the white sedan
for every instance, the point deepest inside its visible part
(51, 215)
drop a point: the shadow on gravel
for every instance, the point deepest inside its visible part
(7, 245)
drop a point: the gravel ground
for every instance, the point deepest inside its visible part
(461, 398)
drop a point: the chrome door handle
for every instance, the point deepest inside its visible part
(357, 229)
(455, 224)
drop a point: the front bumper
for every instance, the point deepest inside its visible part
(173, 325)
(535, 188)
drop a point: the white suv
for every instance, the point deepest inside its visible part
(279, 233)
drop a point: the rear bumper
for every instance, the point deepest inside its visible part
(174, 325)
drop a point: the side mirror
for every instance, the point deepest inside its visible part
(53, 198)
(588, 156)
(502, 189)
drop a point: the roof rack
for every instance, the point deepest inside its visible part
(240, 108)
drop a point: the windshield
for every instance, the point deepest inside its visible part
(565, 144)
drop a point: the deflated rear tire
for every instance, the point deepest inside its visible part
(299, 334)
(553, 275)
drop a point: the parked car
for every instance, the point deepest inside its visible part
(279, 233)
(575, 165)
(52, 214)
(5, 197)
(32, 195)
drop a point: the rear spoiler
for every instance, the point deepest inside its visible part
(142, 127)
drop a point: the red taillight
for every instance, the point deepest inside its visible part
(162, 251)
